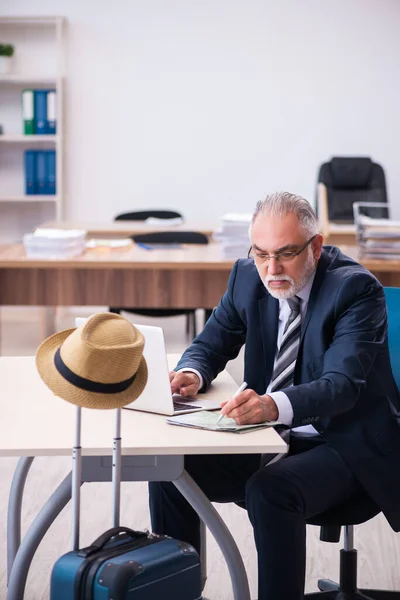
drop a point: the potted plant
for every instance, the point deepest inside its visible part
(6, 52)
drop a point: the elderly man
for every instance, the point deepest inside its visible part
(316, 358)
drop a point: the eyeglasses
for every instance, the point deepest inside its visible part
(281, 256)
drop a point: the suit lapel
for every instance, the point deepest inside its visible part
(269, 319)
(319, 276)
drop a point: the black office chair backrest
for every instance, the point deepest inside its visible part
(349, 180)
(171, 237)
(142, 215)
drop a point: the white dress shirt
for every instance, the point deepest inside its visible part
(281, 400)
(285, 409)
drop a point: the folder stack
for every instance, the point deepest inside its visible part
(40, 172)
(379, 238)
(233, 235)
(39, 112)
(376, 237)
(55, 243)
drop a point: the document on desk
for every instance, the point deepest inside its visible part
(208, 420)
(106, 243)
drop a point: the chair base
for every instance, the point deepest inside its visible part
(331, 591)
(327, 585)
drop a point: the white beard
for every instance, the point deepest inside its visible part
(294, 286)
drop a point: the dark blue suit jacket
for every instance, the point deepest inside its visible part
(343, 383)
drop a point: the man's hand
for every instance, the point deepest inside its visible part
(248, 408)
(184, 383)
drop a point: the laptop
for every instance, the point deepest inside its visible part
(156, 396)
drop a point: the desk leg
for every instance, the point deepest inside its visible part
(14, 510)
(22, 561)
(207, 513)
(203, 554)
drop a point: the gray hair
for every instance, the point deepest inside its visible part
(279, 204)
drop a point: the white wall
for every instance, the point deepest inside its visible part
(206, 105)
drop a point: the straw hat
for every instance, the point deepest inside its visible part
(97, 365)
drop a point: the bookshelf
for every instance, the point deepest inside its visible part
(38, 63)
(17, 79)
(26, 139)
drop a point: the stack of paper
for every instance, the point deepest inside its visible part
(378, 238)
(233, 235)
(208, 420)
(106, 243)
(55, 243)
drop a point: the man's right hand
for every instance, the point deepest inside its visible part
(184, 383)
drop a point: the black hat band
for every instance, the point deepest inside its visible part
(88, 384)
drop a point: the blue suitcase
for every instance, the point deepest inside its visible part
(123, 564)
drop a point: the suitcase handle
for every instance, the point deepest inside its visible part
(103, 540)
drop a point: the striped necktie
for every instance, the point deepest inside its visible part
(282, 376)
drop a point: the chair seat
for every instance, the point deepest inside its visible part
(171, 237)
(354, 511)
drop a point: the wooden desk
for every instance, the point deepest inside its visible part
(30, 426)
(192, 277)
(386, 271)
(128, 228)
(335, 235)
(338, 235)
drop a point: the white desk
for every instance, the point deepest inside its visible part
(36, 423)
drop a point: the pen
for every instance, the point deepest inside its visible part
(144, 246)
(240, 389)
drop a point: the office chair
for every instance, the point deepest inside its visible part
(142, 215)
(360, 509)
(171, 237)
(343, 181)
(168, 237)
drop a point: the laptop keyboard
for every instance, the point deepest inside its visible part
(182, 406)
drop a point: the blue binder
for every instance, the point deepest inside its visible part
(30, 169)
(51, 125)
(50, 172)
(41, 184)
(40, 112)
